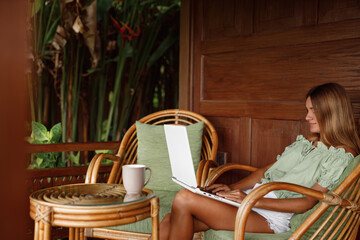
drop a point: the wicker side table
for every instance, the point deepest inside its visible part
(79, 206)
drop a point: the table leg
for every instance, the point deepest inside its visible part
(77, 233)
(36, 231)
(71, 234)
(155, 217)
(82, 236)
(42, 229)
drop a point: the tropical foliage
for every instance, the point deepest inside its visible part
(99, 65)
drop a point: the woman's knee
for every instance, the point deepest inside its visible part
(183, 198)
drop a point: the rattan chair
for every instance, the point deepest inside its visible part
(127, 154)
(337, 216)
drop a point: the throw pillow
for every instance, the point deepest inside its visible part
(152, 151)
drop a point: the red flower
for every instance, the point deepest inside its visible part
(123, 29)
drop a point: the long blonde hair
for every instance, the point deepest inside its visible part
(334, 113)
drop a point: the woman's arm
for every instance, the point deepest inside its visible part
(293, 205)
(245, 183)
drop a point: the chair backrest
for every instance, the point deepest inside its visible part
(128, 146)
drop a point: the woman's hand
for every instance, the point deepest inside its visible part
(216, 188)
(234, 195)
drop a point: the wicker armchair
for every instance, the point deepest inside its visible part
(127, 154)
(337, 216)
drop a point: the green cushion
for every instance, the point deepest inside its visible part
(295, 221)
(144, 226)
(229, 235)
(152, 152)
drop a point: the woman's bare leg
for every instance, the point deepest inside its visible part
(192, 213)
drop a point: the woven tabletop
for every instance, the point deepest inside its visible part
(85, 194)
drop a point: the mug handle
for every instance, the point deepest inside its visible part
(149, 176)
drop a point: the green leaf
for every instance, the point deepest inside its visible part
(38, 161)
(49, 36)
(48, 163)
(35, 141)
(55, 133)
(75, 158)
(40, 132)
(36, 7)
(111, 96)
(29, 139)
(32, 166)
(92, 70)
(103, 151)
(61, 163)
(165, 45)
(104, 130)
(43, 155)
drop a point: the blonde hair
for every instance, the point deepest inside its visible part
(334, 113)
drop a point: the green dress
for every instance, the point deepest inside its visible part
(304, 164)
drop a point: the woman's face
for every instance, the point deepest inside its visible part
(311, 118)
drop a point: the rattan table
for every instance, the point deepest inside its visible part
(79, 206)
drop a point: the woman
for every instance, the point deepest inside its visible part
(316, 162)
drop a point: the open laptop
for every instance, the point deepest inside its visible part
(182, 167)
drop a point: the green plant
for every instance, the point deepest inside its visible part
(40, 135)
(99, 65)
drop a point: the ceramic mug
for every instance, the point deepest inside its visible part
(134, 178)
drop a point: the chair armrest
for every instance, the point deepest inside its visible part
(204, 168)
(217, 172)
(93, 169)
(250, 200)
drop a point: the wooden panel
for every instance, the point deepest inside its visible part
(276, 15)
(234, 138)
(279, 79)
(223, 19)
(269, 138)
(296, 36)
(283, 110)
(338, 10)
(280, 73)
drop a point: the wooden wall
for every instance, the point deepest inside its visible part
(247, 65)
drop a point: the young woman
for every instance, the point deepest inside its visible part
(316, 162)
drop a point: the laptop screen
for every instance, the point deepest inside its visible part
(180, 155)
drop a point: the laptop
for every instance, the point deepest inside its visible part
(182, 167)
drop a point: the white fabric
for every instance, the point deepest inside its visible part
(278, 221)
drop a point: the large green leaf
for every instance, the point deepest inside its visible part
(55, 133)
(40, 132)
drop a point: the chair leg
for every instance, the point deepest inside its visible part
(155, 217)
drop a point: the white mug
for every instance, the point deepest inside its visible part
(134, 178)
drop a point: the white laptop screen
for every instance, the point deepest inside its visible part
(180, 155)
